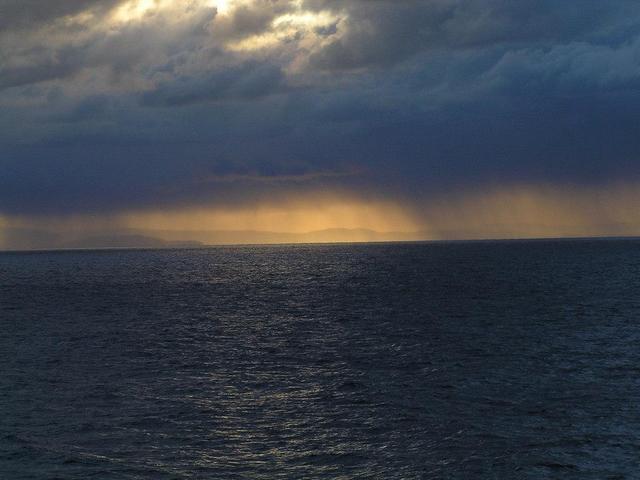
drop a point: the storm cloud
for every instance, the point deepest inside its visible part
(110, 106)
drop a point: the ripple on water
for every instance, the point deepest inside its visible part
(409, 361)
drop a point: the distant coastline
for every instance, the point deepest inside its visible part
(128, 241)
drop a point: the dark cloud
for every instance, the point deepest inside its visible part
(247, 20)
(244, 82)
(408, 100)
(384, 32)
(49, 65)
(28, 14)
(571, 69)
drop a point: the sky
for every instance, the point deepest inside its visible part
(428, 118)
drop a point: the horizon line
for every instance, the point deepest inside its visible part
(338, 242)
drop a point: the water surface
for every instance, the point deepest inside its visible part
(487, 360)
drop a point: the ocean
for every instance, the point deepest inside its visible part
(460, 360)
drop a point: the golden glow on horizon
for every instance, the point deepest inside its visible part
(320, 218)
(502, 212)
(537, 211)
(299, 216)
(3, 223)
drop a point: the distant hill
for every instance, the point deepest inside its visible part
(39, 239)
(337, 235)
(26, 239)
(126, 241)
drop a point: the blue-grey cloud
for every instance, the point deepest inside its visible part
(247, 81)
(385, 32)
(27, 14)
(408, 99)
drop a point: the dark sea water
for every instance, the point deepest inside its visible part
(487, 360)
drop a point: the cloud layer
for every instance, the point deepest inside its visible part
(109, 106)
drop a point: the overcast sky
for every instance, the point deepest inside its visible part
(111, 106)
